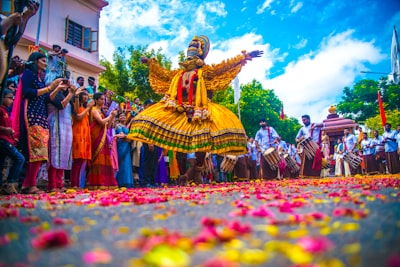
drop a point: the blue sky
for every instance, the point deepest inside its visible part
(312, 49)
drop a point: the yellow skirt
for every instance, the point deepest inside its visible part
(222, 134)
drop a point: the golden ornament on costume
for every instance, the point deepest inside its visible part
(186, 120)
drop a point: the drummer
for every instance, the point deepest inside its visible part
(350, 146)
(368, 152)
(265, 137)
(280, 145)
(310, 167)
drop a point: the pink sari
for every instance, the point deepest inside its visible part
(101, 173)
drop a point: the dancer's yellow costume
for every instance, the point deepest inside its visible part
(186, 120)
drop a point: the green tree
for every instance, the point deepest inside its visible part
(390, 94)
(361, 102)
(127, 76)
(375, 123)
(256, 103)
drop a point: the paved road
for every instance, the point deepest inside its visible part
(326, 222)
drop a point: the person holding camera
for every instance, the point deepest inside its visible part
(30, 114)
(13, 27)
(101, 173)
(60, 141)
(81, 148)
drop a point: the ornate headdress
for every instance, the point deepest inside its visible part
(202, 49)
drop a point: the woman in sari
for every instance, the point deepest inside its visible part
(81, 149)
(101, 174)
(124, 175)
(60, 142)
(33, 129)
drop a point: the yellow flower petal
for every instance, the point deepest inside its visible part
(272, 230)
(166, 256)
(297, 255)
(350, 227)
(351, 248)
(124, 229)
(233, 244)
(231, 255)
(378, 234)
(333, 262)
(297, 233)
(325, 230)
(253, 256)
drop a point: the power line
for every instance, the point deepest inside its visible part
(374, 72)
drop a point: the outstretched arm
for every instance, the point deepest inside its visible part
(255, 53)
(159, 77)
(219, 76)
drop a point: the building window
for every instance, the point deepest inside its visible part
(7, 7)
(80, 36)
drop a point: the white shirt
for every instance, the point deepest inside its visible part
(305, 132)
(265, 137)
(351, 143)
(367, 147)
(390, 144)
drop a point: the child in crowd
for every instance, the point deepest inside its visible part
(7, 147)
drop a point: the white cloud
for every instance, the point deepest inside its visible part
(255, 69)
(106, 47)
(265, 5)
(148, 17)
(141, 22)
(312, 83)
(296, 7)
(163, 44)
(217, 8)
(201, 17)
(303, 42)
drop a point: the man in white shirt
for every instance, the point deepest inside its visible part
(350, 147)
(252, 149)
(368, 153)
(310, 167)
(391, 146)
(265, 138)
(380, 155)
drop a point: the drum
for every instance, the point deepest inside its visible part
(272, 157)
(228, 163)
(309, 147)
(291, 164)
(352, 159)
(208, 165)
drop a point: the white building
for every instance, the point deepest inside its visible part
(72, 24)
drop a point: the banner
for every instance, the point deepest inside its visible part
(282, 115)
(381, 109)
(236, 90)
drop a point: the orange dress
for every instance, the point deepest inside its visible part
(81, 145)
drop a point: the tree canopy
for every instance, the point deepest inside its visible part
(361, 102)
(127, 76)
(375, 123)
(256, 103)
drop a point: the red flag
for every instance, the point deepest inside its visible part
(282, 115)
(381, 109)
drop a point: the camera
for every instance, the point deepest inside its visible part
(19, 5)
(64, 81)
